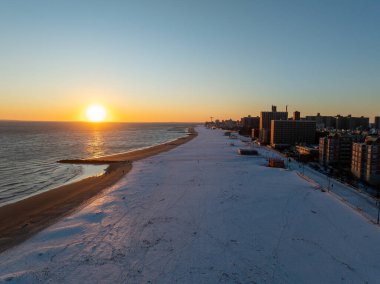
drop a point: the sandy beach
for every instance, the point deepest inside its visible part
(20, 220)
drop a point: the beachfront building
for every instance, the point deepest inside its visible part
(322, 121)
(296, 115)
(248, 124)
(351, 123)
(255, 133)
(228, 124)
(336, 151)
(366, 161)
(266, 118)
(377, 122)
(250, 121)
(292, 132)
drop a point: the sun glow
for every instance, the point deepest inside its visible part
(96, 113)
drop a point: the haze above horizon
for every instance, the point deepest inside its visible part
(184, 61)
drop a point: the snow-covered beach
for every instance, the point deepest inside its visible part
(200, 213)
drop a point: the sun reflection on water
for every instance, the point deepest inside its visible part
(95, 144)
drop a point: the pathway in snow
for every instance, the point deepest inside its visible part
(202, 214)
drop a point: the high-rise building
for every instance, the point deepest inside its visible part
(336, 151)
(366, 160)
(248, 124)
(296, 115)
(377, 122)
(291, 132)
(266, 118)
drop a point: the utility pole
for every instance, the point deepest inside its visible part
(328, 186)
(211, 117)
(301, 164)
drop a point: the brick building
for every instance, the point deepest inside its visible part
(292, 132)
(266, 118)
(336, 151)
(366, 161)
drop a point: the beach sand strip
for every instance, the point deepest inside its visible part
(22, 219)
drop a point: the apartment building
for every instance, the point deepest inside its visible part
(292, 132)
(296, 115)
(336, 151)
(351, 123)
(377, 122)
(366, 161)
(322, 121)
(266, 118)
(249, 124)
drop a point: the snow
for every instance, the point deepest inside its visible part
(359, 201)
(201, 213)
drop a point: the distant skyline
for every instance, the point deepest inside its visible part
(188, 60)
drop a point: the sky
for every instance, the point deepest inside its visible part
(188, 60)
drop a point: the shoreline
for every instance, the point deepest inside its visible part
(24, 218)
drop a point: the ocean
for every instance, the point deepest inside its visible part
(29, 151)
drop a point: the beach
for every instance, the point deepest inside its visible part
(20, 220)
(201, 213)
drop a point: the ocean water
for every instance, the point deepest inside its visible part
(29, 151)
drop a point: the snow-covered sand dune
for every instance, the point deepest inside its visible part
(202, 214)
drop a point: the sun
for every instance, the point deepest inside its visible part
(96, 113)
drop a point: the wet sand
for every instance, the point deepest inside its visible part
(20, 220)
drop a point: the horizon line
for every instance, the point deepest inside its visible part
(100, 122)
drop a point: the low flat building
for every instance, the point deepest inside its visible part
(307, 150)
(307, 153)
(276, 163)
(292, 132)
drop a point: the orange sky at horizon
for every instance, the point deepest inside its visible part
(70, 103)
(113, 114)
(60, 110)
(119, 109)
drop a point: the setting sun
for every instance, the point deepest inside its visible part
(96, 113)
